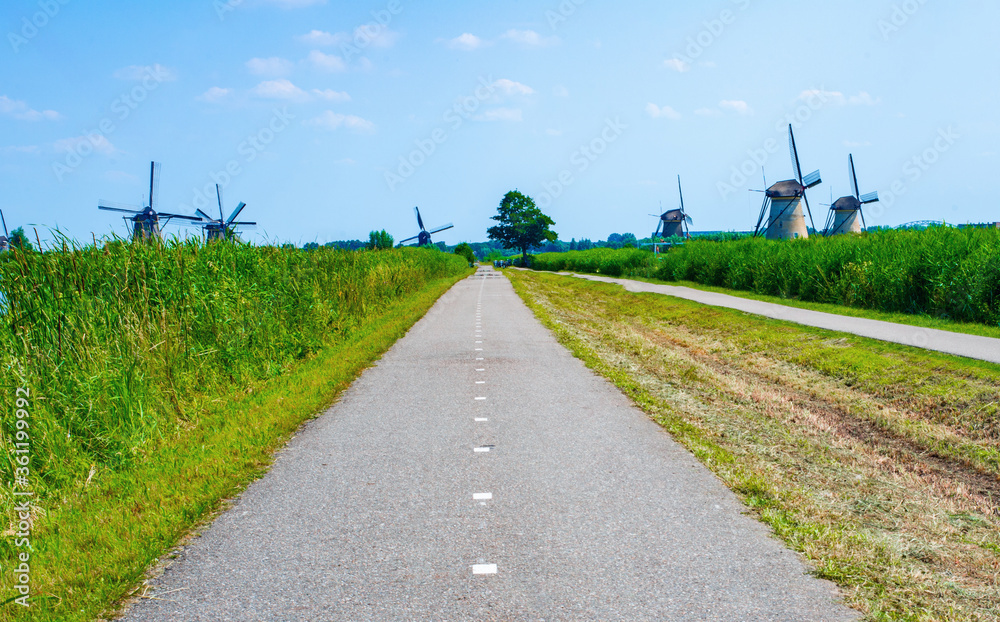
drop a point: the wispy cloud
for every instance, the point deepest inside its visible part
(501, 114)
(140, 72)
(509, 87)
(466, 41)
(279, 89)
(736, 105)
(20, 110)
(326, 62)
(529, 38)
(331, 95)
(215, 95)
(273, 66)
(322, 38)
(665, 112)
(837, 98)
(677, 65)
(332, 121)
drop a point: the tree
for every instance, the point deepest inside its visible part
(19, 240)
(379, 240)
(464, 250)
(522, 225)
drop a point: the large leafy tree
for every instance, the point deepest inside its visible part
(18, 239)
(379, 240)
(522, 225)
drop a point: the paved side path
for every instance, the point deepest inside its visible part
(480, 472)
(969, 346)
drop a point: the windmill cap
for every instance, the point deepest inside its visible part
(785, 189)
(846, 204)
(672, 215)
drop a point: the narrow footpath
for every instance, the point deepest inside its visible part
(480, 472)
(959, 344)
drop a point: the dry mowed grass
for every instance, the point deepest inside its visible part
(879, 463)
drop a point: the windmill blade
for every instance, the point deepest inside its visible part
(245, 223)
(4, 220)
(680, 192)
(760, 219)
(854, 177)
(236, 212)
(420, 221)
(218, 195)
(871, 197)
(864, 226)
(204, 216)
(439, 229)
(812, 179)
(796, 167)
(154, 184)
(805, 199)
(688, 219)
(408, 239)
(118, 207)
(181, 216)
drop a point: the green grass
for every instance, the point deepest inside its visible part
(162, 380)
(878, 462)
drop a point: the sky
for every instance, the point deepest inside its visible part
(332, 119)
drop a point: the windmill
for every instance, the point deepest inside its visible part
(146, 221)
(424, 237)
(674, 223)
(5, 238)
(785, 220)
(844, 213)
(222, 228)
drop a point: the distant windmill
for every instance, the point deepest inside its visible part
(424, 237)
(222, 228)
(5, 238)
(845, 212)
(146, 221)
(785, 199)
(674, 223)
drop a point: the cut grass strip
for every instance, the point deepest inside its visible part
(91, 552)
(875, 461)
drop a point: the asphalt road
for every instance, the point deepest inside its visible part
(959, 344)
(481, 472)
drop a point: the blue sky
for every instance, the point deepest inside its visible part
(336, 118)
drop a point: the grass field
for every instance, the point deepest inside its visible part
(879, 463)
(162, 379)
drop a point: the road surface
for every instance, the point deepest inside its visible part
(481, 472)
(959, 344)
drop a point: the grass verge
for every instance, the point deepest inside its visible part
(879, 463)
(91, 550)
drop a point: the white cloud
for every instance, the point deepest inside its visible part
(273, 66)
(836, 98)
(501, 114)
(19, 110)
(560, 91)
(322, 38)
(529, 38)
(736, 105)
(677, 65)
(509, 87)
(96, 142)
(279, 89)
(327, 62)
(467, 42)
(665, 112)
(331, 95)
(214, 95)
(375, 35)
(140, 72)
(332, 121)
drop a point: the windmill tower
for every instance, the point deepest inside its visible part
(846, 215)
(674, 223)
(222, 228)
(424, 237)
(146, 221)
(5, 238)
(785, 220)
